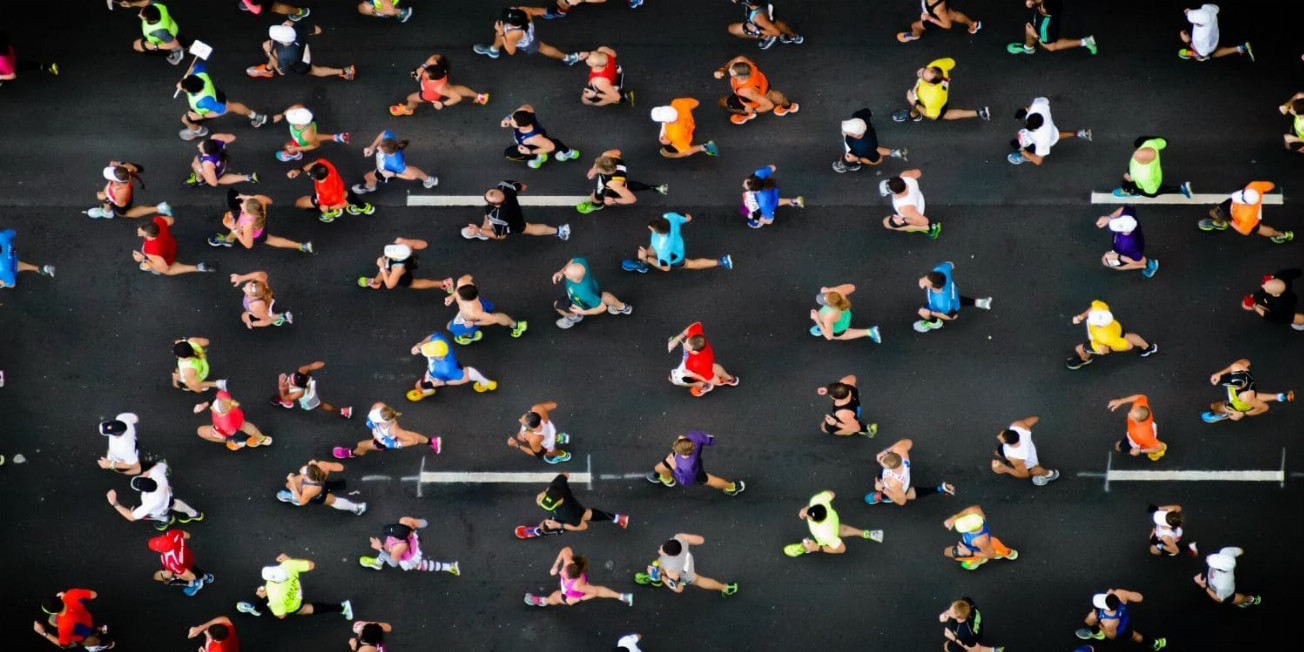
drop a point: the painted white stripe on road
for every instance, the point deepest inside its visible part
(376, 478)
(478, 200)
(1187, 476)
(483, 477)
(1273, 199)
(622, 476)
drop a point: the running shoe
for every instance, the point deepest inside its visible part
(627, 310)
(346, 607)
(841, 167)
(193, 181)
(973, 564)
(896, 153)
(464, 340)
(176, 56)
(1043, 480)
(430, 182)
(795, 39)
(262, 70)
(361, 508)
(1017, 158)
(371, 562)
(1121, 192)
(739, 486)
(553, 14)
(656, 478)
(700, 390)
(727, 262)
(97, 212)
(1287, 397)
(1086, 634)
(1150, 350)
(569, 155)
(566, 323)
(792, 107)
(627, 598)
(635, 4)
(362, 189)
(164, 208)
(743, 118)
(538, 161)
(365, 209)
(934, 230)
(191, 589)
(563, 232)
(221, 241)
(350, 72)
(984, 303)
(45, 270)
(191, 134)
(586, 207)
(400, 110)
(1186, 189)
(663, 189)
(1159, 644)
(346, 412)
(257, 120)
(906, 37)
(519, 328)
(199, 516)
(976, 27)
(327, 217)
(453, 569)
(1209, 224)
(901, 115)
(404, 14)
(571, 59)
(1152, 266)
(1077, 363)
(299, 15)
(1286, 236)
(165, 524)
(485, 387)
(985, 113)
(767, 42)
(53, 69)
(794, 550)
(754, 223)
(486, 51)
(285, 496)
(1186, 55)
(733, 381)
(1089, 43)
(870, 431)
(874, 498)
(1247, 50)
(342, 137)
(1084, 134)
(307, 248)
(558, 459)
(631, 265)
(875, 336)
(285, 157)
(481, 99)
(732, 588)
(873, 535)
(622, 520)
(1253, 601)
(342, 453)
(1020, 48)
(710, 148)
(247, 608)
(535, 601)
(206, 267)
(924, 325)
(1209, 416)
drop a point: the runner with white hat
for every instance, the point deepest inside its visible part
(304, 136)
(1111, 619)
(287, 54)
(1104, 336)
(1219, 581)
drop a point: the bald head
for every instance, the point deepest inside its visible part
(1145, 155)
(1274, 286)
(494, 196)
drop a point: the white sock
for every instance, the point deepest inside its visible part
(475, 375)
(344, 504)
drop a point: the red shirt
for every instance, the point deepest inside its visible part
(73, 616)
(608, 71)
(163, 245)
(174, 553)
(330, 191)
(701, 362)
(231, 644)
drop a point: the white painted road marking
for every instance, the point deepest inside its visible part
(1273, 199)
(425, 477)
(1190, 475)
(478, 200)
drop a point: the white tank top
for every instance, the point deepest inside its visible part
(549, 432)
(527, 35)
(902, 474)
(913, 197)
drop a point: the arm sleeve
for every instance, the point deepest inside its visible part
(209, 103)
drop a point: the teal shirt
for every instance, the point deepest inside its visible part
(585, 293)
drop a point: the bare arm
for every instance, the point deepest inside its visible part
(1027, 422)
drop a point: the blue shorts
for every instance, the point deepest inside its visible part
(8, 275)
(459, 329)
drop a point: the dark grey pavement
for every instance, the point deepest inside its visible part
(95, 340)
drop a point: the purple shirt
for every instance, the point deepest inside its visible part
(1132, 245)
(688, 468)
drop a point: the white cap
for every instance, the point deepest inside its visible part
(854, 126)
(298, 116)
(398, 252)
(281, 33)
(819, 298)
(1100, 318)
(375, 416)
(1160, 517)
(1098, 601)
(111, 173)
(883, 189)
(1219, 561)
(664, 114)
(275, 574)
(1122, 224)
(129, 418)
(1247, 196)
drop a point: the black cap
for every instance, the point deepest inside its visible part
(114, 427)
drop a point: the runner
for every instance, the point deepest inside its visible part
(283, 595)
(1294, 107)
(752, 94)
(843, 418)
(386, 434)
(259, 302)
(432, 76)
(892, 484)
(683, 466)
(385, 9)
(289, 11)
(977, 546)
(860, 144)
(122, 455)
(538, 436)
(304, 136)
(10, 266)
(940, 14)
(1043, 29)
(503, 216)
(390, 164)
(1275, 301)
(312, 484)
(676, 569)
(760, 25)
(210, 167)
(158, 252)
(246, 223)
(1203, 37)
(606, 84)
(563, 7)
(229, 419)
(943, 299)
(301, 388)
(1128, 252)
(330, 196)
(826, 529)
(761, 197)
(116, 198)
(285, 54)
(963, 628)
(1166, 531)
(369, 636)
(698, 371)
(396, 268)
(1242, 399)
(1142, 436)
(473, 311)
(1111, 619)
(629, 642)
(443, 369)
(178, 562)
(1039, 134)
(907, 205)
(11, 65)
(1145, 175)
(1017, 455)
(1104, 336)
(571, 570)
(1243, 211)
(156, 500)
(515, 31)
(219, 634)
(191, 374)
(532, 141)
(1219, 581)
(565, 513)
(677, 128)
(665, 250)
(583, 295)
(614, 187)
(159, 30)
(207, 102)
(68, 615)
(833, 319)
(929, 98)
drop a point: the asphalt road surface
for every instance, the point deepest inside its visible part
(95, 341)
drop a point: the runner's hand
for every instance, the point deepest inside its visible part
(112, 495)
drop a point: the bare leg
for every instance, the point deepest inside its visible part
(1136, 340)
(701, 263)
(326, 71)
(551, 52)
(179, 268)
(283, 243)
(140, 211)
(539, 229)
(240, 109)
(852, 334)
(959, 114)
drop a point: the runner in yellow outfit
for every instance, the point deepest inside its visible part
(1104, 336)
(826, 530)
(930, 96)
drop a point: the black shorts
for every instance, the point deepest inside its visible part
(872, 156)
(328, 487)
(670, 149)
(298, 68)
(736, 103)
(564, 304)
(120, 211)
(514, 155)
(1047, 28)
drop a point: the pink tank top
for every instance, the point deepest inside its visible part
(568, 583)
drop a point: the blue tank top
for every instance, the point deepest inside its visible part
(218, 160)
(536, 129)
(1122, 616)
(445, 367)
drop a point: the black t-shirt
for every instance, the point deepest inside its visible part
(570, 511)
(508, 215)
(866, 146)
(853, 405)
(968, 632)
(1281, 309)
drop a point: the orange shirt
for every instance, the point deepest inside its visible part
(680, 132)
(1142, 434)
(755, 81)
(1245, 217)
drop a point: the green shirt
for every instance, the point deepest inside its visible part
(286, 597)
(825, 532)
(1148, 176)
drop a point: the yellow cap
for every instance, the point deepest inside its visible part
(969, 523)
(434, 349)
